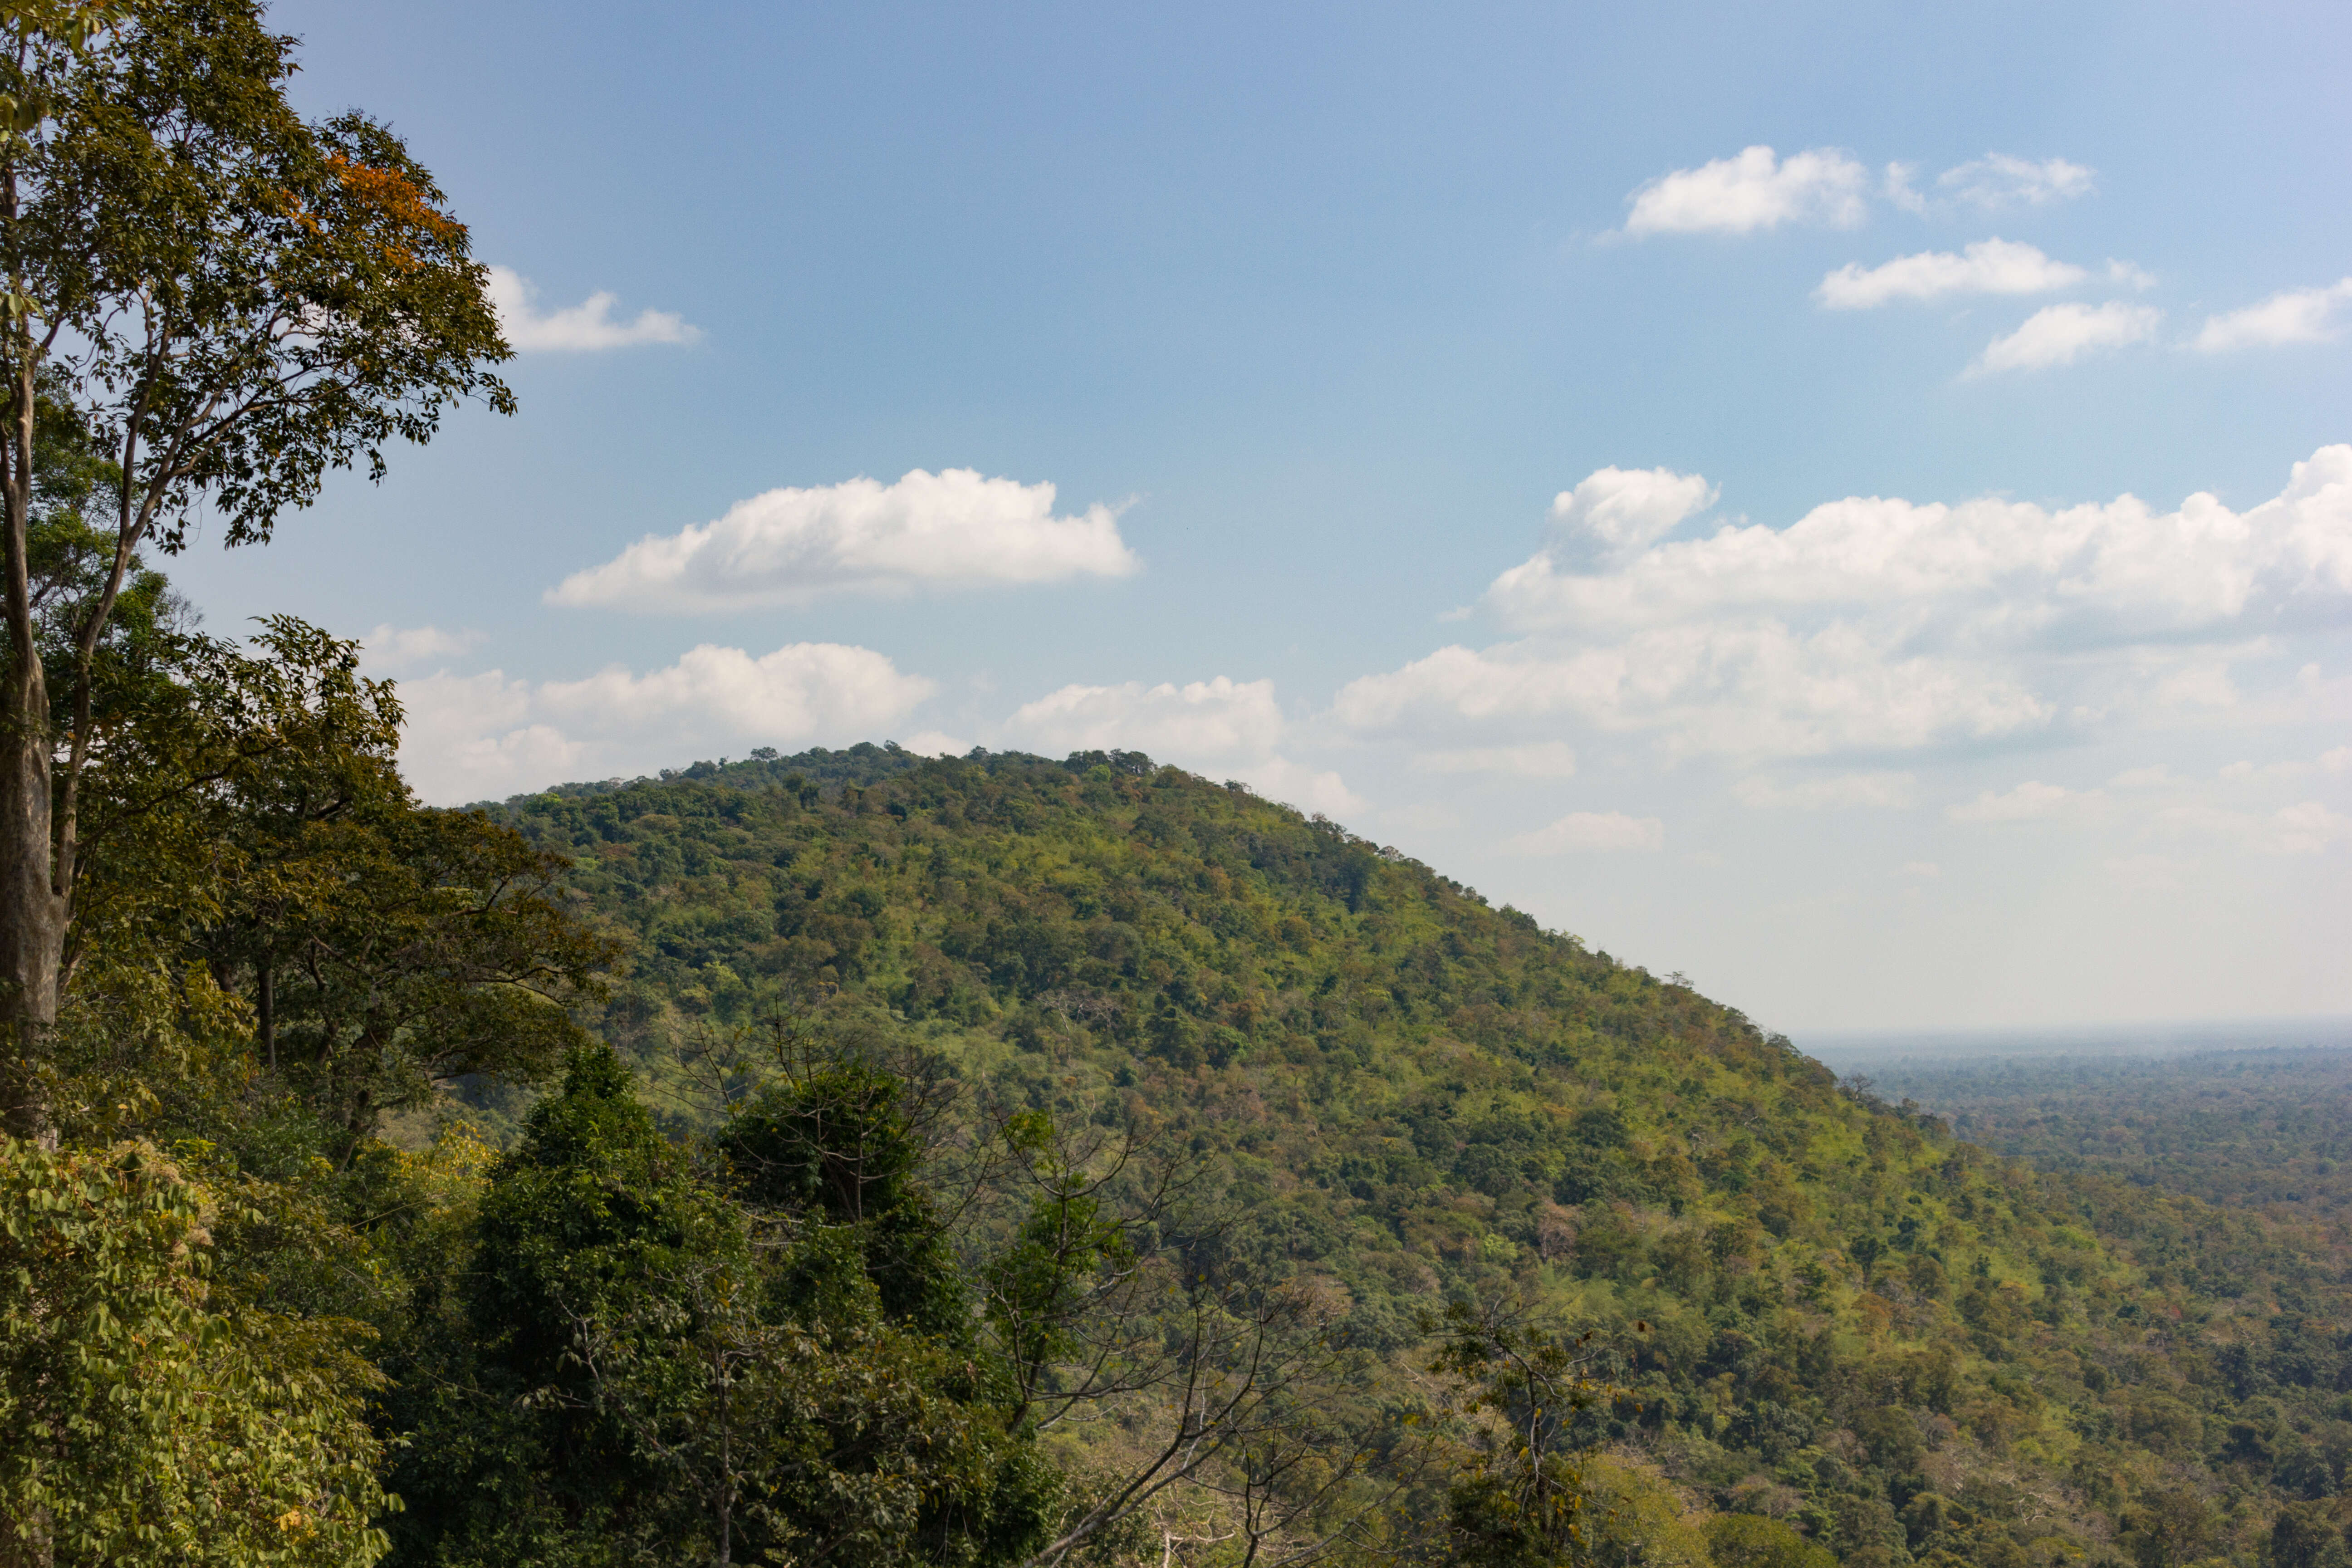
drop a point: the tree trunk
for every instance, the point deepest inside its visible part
(264, 999)
(32, 909)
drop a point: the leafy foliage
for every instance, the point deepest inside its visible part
(1883, 1342)
(2260, 1129)
(645, 1372)
(142, 1420)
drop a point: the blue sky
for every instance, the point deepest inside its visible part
(1430, 399)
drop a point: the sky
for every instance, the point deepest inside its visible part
(1850, 504)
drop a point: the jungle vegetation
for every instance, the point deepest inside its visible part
(857, 1158)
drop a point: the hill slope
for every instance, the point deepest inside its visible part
(1913, 1348)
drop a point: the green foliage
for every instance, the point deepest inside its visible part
(144, 1421)
(1519, 1493)
(1748, 1541)
(2259, 1128)
(1632, 1519)
(1408, 1098)
(648, 1370)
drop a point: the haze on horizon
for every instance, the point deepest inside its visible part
(1858, 513)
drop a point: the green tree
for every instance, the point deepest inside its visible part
(1633, 1519)
(143, 1421)
(1751, 1541)
(2173, 1525)
(1519, 1493)
(233, 302)
(658, 1373)
(2305, 1535)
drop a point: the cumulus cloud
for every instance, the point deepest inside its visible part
(1614, 514)
(2296, 316)
(474, 736)
(1755, 190)
(1988, 266)
(399, 649)
(1897, 187)
(2060, 334)
(2000, 180)
(2006, 568)
(585, 327)
(1224, 727)
(952, 529)
(1542, 760)
(1883, 624)
(1748, 689)
(1306, 787)
(1593, 832)
(1206, 718)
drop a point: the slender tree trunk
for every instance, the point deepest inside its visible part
(32, 910)
(265, 996)
(32, 905)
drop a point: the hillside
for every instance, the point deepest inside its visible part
(1911, 1349)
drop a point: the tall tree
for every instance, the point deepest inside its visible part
(233, 301)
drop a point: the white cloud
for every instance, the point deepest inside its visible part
(1987, 267)
(472, 736)
(1543, 760)
(1920, 870)
(1756, 190)
(952, 529)
(1898, 188)
(584, 327)
(1743, 688)
(2338, 760)
(2307, 828)
(1879, 625)
(2029, 802)
(2004, 570)
(1882, 790)
(2203, 684)
(2155, 777)
(1205, 718)
(1224, 727)
(2060, 334)
(401, 648)
(1593, 832)
(2294, 316)
(1614, 514)
(1307, 788)
(2000, 180)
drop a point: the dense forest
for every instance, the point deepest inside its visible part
(2268, 1128)
(861, 1159)
(1817, 1308)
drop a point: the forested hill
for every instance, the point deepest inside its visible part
(1903, 1346)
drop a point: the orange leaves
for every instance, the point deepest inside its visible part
(388, 198)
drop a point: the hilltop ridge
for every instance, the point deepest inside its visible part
(1912, 1349)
